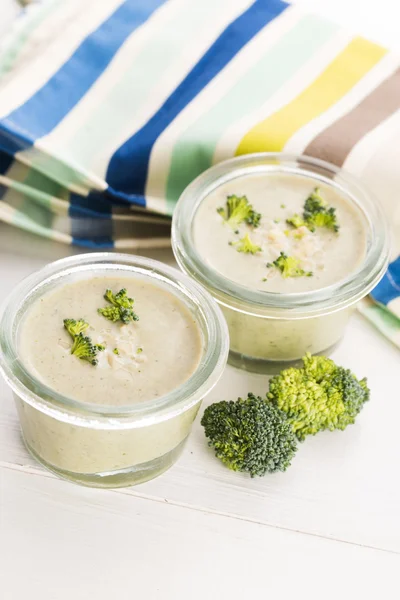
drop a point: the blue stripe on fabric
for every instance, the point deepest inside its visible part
(389, 287)
(5, 163)
(91, 215)
(49, 105)
(98, 243)
(95, 205)
(128, 167)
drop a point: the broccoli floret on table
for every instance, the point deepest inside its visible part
(318, 396)
(250, 435)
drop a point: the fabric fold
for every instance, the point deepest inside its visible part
(109, 108)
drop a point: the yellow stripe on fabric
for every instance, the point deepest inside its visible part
(359, 57)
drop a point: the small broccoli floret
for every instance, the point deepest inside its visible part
(318, 396)
(84, 349)
(121, 308)
(116, 351)
(246, 245)
(238, 210)
(250, 435)
(289, 266)
(324, 219)
(296, 221)
(316, 213)
(75, 327)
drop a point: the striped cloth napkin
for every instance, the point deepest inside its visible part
(109, 108)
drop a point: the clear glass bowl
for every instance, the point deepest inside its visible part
(108, 446)
(271, 330)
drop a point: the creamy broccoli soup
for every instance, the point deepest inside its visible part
(280, 233)
(74, 341)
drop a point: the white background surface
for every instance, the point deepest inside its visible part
(327, 528)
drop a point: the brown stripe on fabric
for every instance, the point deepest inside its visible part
(336, 141)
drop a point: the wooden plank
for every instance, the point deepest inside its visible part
(59, 541)
(342, 485)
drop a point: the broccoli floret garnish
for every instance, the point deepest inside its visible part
(317, 214)
(116, 351)
(238, 210)
(75, 327)
(318, 396)
(121, 308)
(296, 221)
(82, 346)
(84, 349)
(250, 435)
(246, 245)
(289, 266)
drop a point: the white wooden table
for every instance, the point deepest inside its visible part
(327, 528)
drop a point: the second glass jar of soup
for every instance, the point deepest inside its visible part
(109, 357)
(286, 245)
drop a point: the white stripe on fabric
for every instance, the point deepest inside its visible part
(50, 46)
(303, 78)
(222, 13)
(383, 69)
(143, 243)
(160, 159)
(375, 161)
(73, 125)
(14, 45)
(93, 177)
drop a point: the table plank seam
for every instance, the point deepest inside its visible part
(40, 472)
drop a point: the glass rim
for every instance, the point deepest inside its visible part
(281, 305)
(39, 395)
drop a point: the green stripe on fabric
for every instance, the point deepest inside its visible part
(32, 189)
(38, 220)
(384, 320)
(194, 150)
(137, 82)
(33, 18)
(32, 205)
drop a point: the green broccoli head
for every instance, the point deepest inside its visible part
(75, 327)
(84, 349)
(238, 210)
(246, 245)
(318, 396)
(317, 214)
(121, 308)
(289, 266)
(250, 435)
